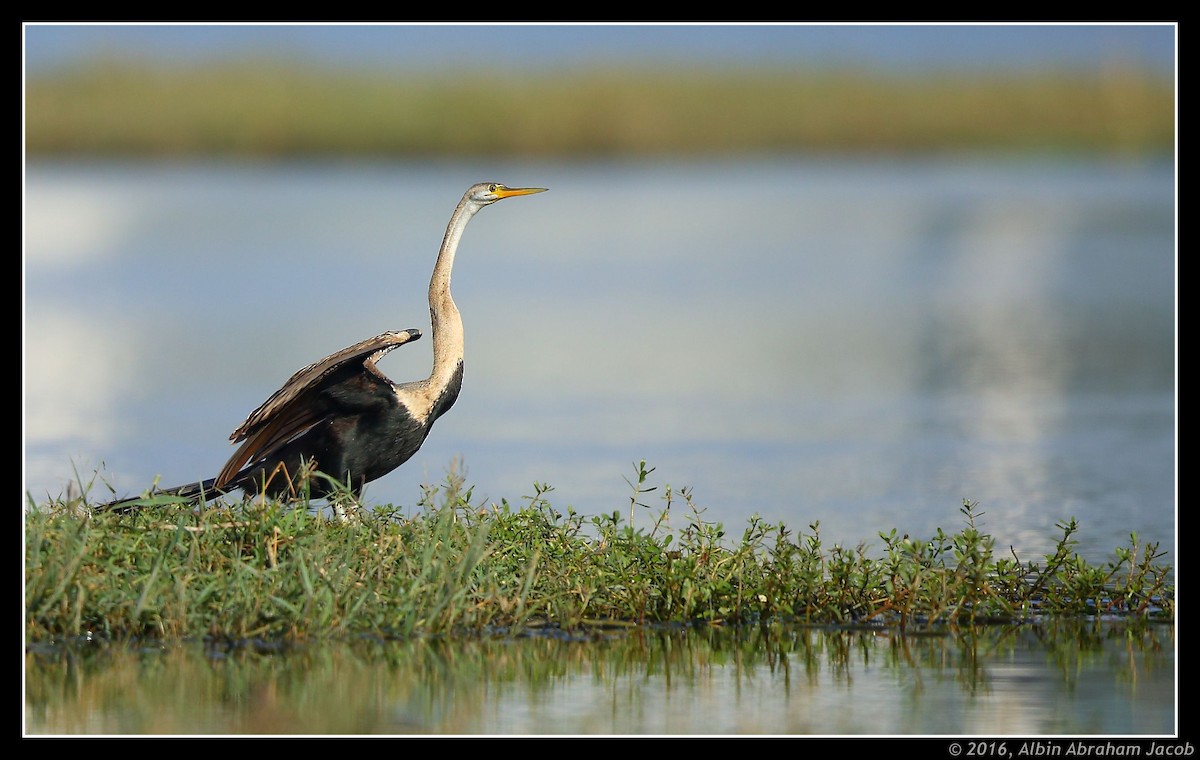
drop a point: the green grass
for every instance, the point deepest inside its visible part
(241, 570)
(269, 108)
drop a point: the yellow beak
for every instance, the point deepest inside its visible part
(509, 192)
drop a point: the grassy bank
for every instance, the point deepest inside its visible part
(239, 571)
(272, 109)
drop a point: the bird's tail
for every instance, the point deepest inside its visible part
(202, 489)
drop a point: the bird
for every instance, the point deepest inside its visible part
(342, 417)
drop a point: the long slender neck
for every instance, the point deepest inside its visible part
(447, 323)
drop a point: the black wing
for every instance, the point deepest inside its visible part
(291, 411)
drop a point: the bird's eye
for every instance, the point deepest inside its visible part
(492, 188)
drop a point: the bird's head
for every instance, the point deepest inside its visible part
(485, 193)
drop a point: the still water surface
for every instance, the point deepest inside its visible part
(863, 344)
(1064, 679)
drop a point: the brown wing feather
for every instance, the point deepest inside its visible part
(287, 413)
(267, 437)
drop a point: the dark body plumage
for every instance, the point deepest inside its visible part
(341, 416)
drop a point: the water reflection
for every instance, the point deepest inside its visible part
(1063, 678)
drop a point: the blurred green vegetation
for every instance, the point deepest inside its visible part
(461, 685)
(273, 108)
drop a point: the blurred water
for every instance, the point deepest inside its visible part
(859, 343)
(1059, 679)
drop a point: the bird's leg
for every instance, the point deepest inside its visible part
(344, 514)
(344, 501)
